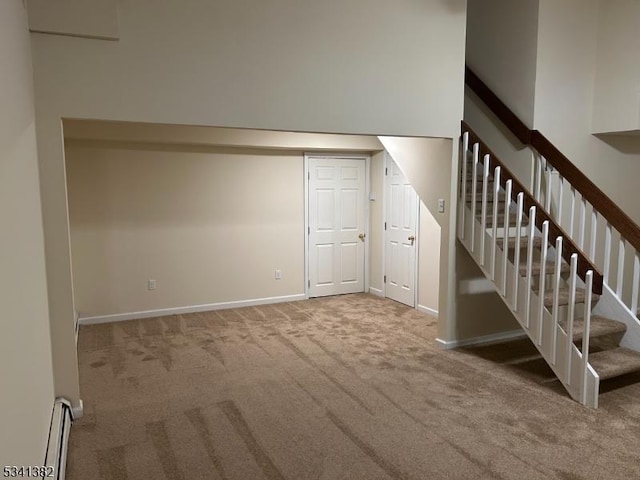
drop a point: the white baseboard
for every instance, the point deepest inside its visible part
(427, 310)
(376, 291)
(482, 340)
(119, 317)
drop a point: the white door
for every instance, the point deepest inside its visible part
(400, 236)
(336, 216)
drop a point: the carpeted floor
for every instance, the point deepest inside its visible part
(348, 387)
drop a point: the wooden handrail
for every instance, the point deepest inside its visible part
(619, 220)
(500, 110)
(568, 245)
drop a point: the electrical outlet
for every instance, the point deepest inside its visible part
(441, 205)
(151, 284)
(278, 274)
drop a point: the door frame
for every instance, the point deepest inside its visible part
(367, 210)
(385, 184)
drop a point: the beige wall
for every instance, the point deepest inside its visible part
(501, 49)
(479, 309)
(27, 397)
(616, 97)
(209, 225)
(304, 66)
(502, 46)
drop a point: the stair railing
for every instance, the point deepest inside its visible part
(483, 243)
(569, 247)
(586, 223)
(608, 235)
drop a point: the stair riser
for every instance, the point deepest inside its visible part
(601, 342)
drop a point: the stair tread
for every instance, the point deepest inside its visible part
(536, 268)
(490, 195)
(614, 362)
(501, 217)
(563, 297)
(511, 241)
(489, 217)
(600, 326)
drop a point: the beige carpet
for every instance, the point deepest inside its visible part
(349, 387)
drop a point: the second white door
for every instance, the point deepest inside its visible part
(400, 236)
(337, 208)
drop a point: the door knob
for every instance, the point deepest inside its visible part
(412, 238)
(361, 236)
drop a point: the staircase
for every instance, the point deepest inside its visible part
(530, 243)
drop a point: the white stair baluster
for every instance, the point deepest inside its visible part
(483, 215)
(543, 277)
(463, 193)
(636, 283)
(594, 235)
(583, 214)
(547, 190)
(494, 230)
(585, 334)
(516, 255)
(607, 252)
(620, 268)
(571, 311)
(557, 279)
(531, 231)
(572, 212)
(560, 198)
(474, 192)
(505, 235)
(538, 177)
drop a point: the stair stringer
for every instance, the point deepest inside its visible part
(611, 306)
(573, 374)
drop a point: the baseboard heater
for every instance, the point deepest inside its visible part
(61, 420)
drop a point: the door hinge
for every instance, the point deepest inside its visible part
(308, 175)
(308, 230)
(384, 280)
(308, 283)
(386, 171)
(385, 225)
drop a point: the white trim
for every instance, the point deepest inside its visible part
(305, 190)
(367, 220)
(384, 222)
(376, 291)
(367, 212)
(427, 310)
(119, 317)
(483, 339)
(416, 273)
